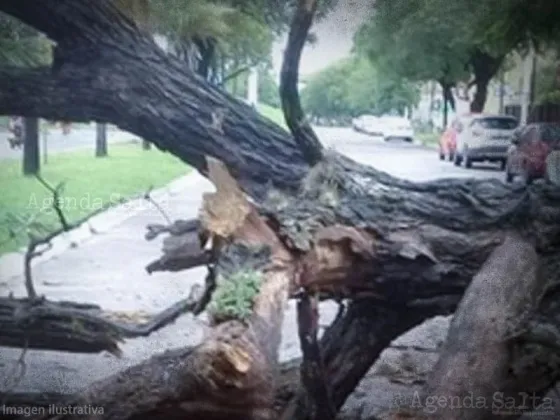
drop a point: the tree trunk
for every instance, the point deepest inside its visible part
(477, 359)
(100, 140)
(31, 154)
(480, 95)
(399, 251)
(484, 68)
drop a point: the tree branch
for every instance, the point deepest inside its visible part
(99, 83)
(308, 142)
(83, 328)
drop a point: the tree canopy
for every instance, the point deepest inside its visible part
(22, 45)
(454, 40)
(355, 86)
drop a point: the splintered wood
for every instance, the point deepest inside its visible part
(339, 261)
(225, 210)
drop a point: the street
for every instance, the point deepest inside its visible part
(80, 137)
(410, 161)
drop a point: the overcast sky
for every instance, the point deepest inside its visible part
(334, 35)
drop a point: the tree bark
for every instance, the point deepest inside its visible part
(178, 110)
(31, 154)
(100, 140)
(484, 67)
(401, 251)
(478, 359)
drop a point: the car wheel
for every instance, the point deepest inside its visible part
(468, 161)
(451, 157)
(441, 155)
(503, 164)
(509, 175)
(386, 138)
(457, 160)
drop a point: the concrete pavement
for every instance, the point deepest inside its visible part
(108, 269)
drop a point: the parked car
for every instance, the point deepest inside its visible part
(396, 128)
(448, 139)
(366, 124)
(534, 153)
(484, 137)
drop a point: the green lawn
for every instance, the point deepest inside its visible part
(89, 183)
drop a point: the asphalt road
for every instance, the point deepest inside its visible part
(80, 137)
(410, 161)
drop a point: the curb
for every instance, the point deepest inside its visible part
(11, 264)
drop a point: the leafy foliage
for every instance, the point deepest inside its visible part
(547, 86)
(21, 45)
(233, 298)
(454, 40)
(354, 86)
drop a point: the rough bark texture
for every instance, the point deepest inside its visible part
(478, 360)
(73, 327)
(100, 73)
(400, 251)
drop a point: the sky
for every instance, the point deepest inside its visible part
(334, 37)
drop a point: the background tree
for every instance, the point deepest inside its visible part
(23, 46)
(452, 41)
(355, 86)
(101, 140)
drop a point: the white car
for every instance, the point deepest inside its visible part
(367, 124)
(395, 128)
(484, 137)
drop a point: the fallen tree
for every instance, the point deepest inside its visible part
(319, 225)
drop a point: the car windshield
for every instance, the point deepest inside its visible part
(498, 123)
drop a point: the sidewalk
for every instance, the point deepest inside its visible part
(108, 269)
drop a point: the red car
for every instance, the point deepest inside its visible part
(534, 148)
(448, 140)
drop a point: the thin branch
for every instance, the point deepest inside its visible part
(307, 140)
(56, 200)
(148, 197)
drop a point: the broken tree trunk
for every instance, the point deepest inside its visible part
(478, 375)
(401, 251)
(40, 324)
(231, 374)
